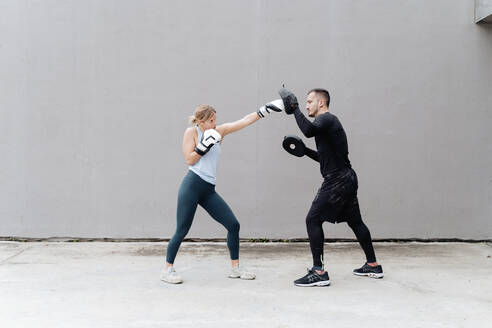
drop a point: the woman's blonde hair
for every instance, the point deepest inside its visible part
(201, 114)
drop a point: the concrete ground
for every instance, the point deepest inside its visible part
(97, 284)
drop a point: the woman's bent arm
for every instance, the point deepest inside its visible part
(189, 145)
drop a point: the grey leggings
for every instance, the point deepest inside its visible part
(193, 191)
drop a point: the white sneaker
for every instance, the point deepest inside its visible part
(240, 272)
(171, 276)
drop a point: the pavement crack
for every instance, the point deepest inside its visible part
(15, 255)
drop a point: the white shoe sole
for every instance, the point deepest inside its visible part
(314, 284)
(172, 282)
(370, 275)
(239, 277)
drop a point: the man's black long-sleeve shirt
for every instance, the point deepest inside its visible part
(331, 141)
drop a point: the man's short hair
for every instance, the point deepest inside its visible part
(323, 93)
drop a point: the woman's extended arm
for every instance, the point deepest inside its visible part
(227, 128)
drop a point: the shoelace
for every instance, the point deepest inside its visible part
(311, 276)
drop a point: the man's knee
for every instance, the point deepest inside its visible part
(313, 220)
(358, 227)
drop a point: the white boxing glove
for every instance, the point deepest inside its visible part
(276, 105)
(210, 137)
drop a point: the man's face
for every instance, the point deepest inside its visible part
(313, 103)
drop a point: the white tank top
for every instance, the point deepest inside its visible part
(206, 167)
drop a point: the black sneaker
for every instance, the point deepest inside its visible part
(370, 271)
(313, 279)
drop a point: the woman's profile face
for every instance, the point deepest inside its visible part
(211, 123)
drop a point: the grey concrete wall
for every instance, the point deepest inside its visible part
(483, 11)
(94, 99)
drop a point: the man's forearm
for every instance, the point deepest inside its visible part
(304, 124)
(313, 154)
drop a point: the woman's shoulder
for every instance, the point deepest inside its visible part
(190, 130)
(221, 129)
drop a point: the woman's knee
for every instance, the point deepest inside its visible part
(180, 234)
(234, 227)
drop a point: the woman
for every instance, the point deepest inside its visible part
(202, 148)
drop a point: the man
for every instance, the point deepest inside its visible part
(336, 200)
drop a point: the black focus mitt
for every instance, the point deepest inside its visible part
(289, 99)
(294, 145)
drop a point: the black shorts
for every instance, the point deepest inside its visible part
(336, 200)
